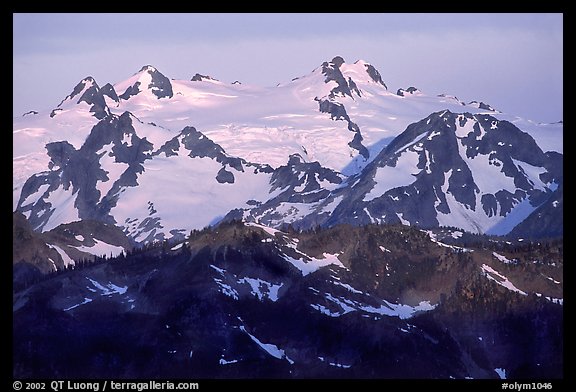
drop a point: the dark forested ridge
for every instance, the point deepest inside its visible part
(244, 301)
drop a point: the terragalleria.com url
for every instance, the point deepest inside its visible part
(98, 386)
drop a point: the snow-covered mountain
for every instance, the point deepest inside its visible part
(325, 227)
(469, 171)
(158, 157)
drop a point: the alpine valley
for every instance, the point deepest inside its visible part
(322, 228)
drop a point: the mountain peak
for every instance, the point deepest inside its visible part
(89, 92)
(88, 79)
(360, 71)
(337, 61)
(82, 86)
(148, 68)
(148, 78)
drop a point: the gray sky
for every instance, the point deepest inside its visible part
(513, 62)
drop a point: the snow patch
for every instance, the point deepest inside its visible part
(329, 208)
(503, 259)
(324, 310)
(226, 289)
(501, 373)
(416, 140)
(336, 364)
(519, 212)
(220, 270)
(500, 279)
(399, 310)
(101, 248)
(532, 173)
(86, 300)
(267, 229)
(489, 178)
(53, 264)
(389, 177)
(177, 246)
(65, 258)
(314, 264)
(262, 289)
(456, 234)
(347, 287)
(225, 362)
(434, 239)
(109, 289)
(271, 349)
(558, 301)
(551, 279)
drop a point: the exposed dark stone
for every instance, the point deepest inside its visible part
(225, 177)
(336, 109)
(80, 170)
(160, 84)
(489, 204)
(410, 90)
(54, 112)
(554, 164)
(374, 74)
(199, 77)
(356, 144)
(109, 91)
(352, 86)
(131, 91)
(169, 148)
(201, 146)
(547, 221)
(338, 112)
(59, 153)
(332, 72)
(337, 61)
(78, 88)
(482, 105)
(93, 96)
(30, 112)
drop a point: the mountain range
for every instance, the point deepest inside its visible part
(158, 157)
(322, 228)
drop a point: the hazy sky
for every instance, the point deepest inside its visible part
(513, 62)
